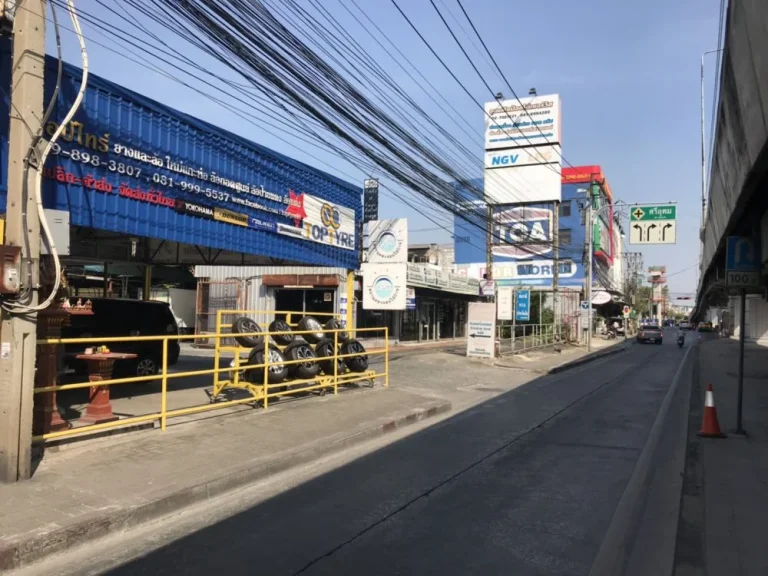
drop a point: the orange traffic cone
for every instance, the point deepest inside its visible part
(710, 427)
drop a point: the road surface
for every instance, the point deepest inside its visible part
(526, 483)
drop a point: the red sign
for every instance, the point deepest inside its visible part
(586, 174)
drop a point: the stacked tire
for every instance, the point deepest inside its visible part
(307, 361)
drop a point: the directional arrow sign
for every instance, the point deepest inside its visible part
(653, 224)
(481, 329)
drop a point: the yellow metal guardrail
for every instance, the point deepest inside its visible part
(261, 392)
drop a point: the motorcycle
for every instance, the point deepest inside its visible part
(681, 340)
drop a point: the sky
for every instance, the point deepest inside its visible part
(627, 73)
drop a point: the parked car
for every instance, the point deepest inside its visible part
(650, 333)
(114, 317)
(705, 327)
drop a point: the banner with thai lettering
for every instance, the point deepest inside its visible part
(133, 166)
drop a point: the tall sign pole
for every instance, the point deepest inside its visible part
(18, 332)
(556, 267)
(590, 234)
(489, 244)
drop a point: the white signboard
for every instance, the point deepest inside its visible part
(653, 232)
(513, 185)
(742, 278)
(524, 122)
(481, 342)
(388, 241)
(487, 288)
(384, 286)
(522, 157)
(600, 297)
(653, 224)
(521, 272)
(522, 232)
(322, 222)
(505, 302)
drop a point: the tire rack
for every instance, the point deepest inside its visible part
(262, 392)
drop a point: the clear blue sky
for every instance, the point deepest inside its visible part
(628, 74)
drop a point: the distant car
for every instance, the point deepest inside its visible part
(705, 327)
(650, 333)
(685, 325)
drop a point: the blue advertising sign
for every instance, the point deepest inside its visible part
(131, 165)
(523, 306)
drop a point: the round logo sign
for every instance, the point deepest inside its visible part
(387, 245)
(383, 288)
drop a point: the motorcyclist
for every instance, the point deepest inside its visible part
(680, 336)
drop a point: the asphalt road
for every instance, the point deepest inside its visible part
(526, 483)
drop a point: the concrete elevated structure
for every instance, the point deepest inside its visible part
(738, 180)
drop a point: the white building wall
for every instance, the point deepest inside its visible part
(756, 318)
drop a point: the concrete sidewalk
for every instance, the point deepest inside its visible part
(548, 361)
(724, 516)
(86, 490)
(109, 485)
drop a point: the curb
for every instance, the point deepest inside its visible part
(588, 358)
(617, 553)
(17, 554)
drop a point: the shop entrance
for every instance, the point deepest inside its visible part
(304, 300)
(429, 320)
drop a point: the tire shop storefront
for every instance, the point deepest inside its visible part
(314, 290)
(139, 182)
(436, 307)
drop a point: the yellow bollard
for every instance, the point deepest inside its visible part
(266, 371)
(335, 363)
(386, 357)
(164, 391)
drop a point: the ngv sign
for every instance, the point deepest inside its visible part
(527, 156)
(522, 232)
(503, 160)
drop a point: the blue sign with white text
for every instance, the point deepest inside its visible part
(523, 306)
(742, 254)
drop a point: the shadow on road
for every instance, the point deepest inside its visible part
(525, 483)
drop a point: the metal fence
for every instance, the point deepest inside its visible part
(539, 330)
(257, 377)
(213, 296)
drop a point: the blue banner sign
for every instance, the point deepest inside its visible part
(523, 306)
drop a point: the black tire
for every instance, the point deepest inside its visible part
(355, 363)
(144, 366)
(325, 348)
(281, 326)
(277, 370)
(302, 351)
(245, 325)
(334, 324)
(313, 325)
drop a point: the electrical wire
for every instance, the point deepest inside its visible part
(444, 207)
(17, 307)
(525, 109)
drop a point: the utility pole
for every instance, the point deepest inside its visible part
(489, 244)
(588, 278)
(556, 267)
(18, 331)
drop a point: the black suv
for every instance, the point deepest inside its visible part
(117, 317)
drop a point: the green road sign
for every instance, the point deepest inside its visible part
(653, 212)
